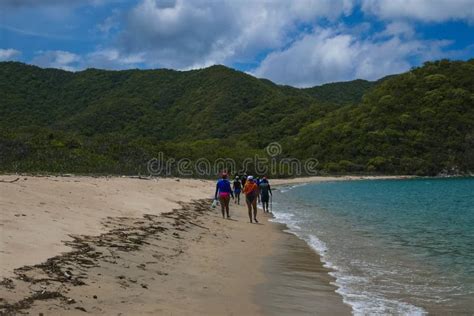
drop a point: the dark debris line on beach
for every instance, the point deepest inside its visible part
(52, 279)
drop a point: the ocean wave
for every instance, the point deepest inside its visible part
(288, 220)
(286, 188)
(370, 303)
(362, 303)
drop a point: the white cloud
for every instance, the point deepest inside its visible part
(57, 59)
(9, 54)
(423, 10)
(29, 3)
(46, 3)
(112, 59)
(102, 58)
(401, 29)
(110, 23)
(186, 34)
(189, 34)
(35, 33)
(328, 56)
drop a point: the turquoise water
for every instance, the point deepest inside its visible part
(395, 246)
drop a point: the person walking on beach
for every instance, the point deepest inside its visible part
(257, 182)
(225, 192)
(265, 192)
(237, 186)
(251, 192)
(243, 179)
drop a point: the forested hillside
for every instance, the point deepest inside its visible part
(420, 122)
(350, 92)
(97, 121)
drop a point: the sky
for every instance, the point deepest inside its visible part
(296, 42)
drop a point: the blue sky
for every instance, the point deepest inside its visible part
(299, 42)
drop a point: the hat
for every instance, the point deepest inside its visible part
(249, 178)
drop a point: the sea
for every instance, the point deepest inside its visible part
(398, 246)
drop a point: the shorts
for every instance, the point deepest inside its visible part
(250, 197)
(224, 195)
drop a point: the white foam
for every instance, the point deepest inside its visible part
(317, 244)
(362, 303)
(287, 188)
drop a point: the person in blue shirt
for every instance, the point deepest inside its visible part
(224, 192)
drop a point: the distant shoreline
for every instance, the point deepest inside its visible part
(313, 179)
(275, 181)
(330, 177)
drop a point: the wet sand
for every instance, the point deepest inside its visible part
(297, 282)
(137, 251)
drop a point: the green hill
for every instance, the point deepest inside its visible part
(420, 122)
(350, 92)
(215, 102)
(98, 121)
(114, 121)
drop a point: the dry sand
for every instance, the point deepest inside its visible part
(39, 213)
(130, 246)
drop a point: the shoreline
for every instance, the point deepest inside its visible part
(297, 282)
(315, 179)
(253, 255)
(455, 303)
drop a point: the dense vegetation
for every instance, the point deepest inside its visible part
(342, 92)
(97, 121)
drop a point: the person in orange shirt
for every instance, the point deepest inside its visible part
(251, 193)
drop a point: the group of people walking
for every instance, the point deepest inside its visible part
(255, 191)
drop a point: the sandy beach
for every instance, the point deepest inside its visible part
(130, 246)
